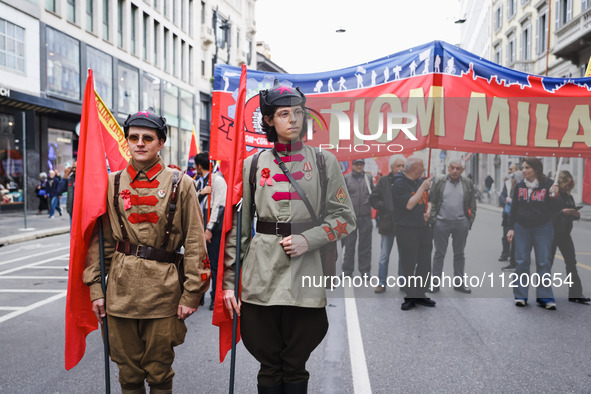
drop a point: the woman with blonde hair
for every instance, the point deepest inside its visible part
(563, 225)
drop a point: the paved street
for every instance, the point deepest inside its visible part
(467, 343)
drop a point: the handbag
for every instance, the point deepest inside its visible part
(41, 193)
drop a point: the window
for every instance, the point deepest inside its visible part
(150, 92)
(183, 48)
(511, 50)
(174, 11)
(165, 49)
(128, 82)
(63, 64)
(498, 54)
(190, 64)
(133, 40)
(526, 43)
(203, 57)
(202, 12)
(105, 19)
(585, 4)
(165, 7)
(174, 45)
(12, 46)
(498, 18)
(248, 50)
(50, 5)
(542, 33)
(71, 8)
(191, 13)
(564, 12)
(89, 14)
(511, 8)
(145, 37)
(120, 23)
(156, 30)
(222, 30)
(170, 106)
(102, 66)
(237, 39)
(156, 4)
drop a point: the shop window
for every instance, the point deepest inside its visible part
(102, 66)
(128, 82)
(151, 92)
(170, 107)
(12, 46)
(11, 163)
(59, 152)
(63, 65)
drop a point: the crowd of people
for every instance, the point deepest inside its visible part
(302, 204)
(50, 190)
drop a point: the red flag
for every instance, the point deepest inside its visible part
(194, 148)
(114, 141)
(233, 173)
(587, 181)
(90, 202)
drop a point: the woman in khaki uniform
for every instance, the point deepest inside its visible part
(145, 304)
(283, 316)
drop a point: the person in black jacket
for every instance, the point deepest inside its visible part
(382, 200)
(534, 203)
(53, 195)
(563, 225)
(414, 237)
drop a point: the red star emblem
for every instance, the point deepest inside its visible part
(341, 229)
(144, 113)
(283, 89)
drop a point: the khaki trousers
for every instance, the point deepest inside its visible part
(143, 349)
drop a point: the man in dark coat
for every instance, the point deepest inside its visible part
(381, 199)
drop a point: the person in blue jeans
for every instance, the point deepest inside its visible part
(534, 203)
(53, 194)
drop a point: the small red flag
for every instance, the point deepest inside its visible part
(90, 202)
(194, 148)
(233, 174)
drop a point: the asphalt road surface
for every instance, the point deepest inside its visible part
(468, 343)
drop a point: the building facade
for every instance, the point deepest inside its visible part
(542, 37)
(156, 53)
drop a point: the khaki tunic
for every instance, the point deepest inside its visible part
(269, 275)
(139, 288)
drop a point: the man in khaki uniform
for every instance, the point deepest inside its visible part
(283, 316)
(145, 303)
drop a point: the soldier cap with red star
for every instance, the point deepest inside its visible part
(147, 119)
(280, 96)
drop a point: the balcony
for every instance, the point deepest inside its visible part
(207, 34)
(573, 37)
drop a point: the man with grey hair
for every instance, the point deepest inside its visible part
(453, 211)
(413, 235)
(382, 200)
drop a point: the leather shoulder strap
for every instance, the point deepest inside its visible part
(116, 205)
(173, 197)
(252, 179)
(323, 180)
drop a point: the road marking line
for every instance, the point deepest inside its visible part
(34, 255)
(33, 277)
(32, 306)
(579, 264)
(11, 308)
(29, 291)
(361, 383)
(47, 267)
(29, 265)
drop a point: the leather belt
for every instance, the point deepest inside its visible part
(282, 228)
(148, 252)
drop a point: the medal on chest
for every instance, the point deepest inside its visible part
(161, 193)
(307, 170)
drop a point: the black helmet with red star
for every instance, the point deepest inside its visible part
(147, 119)
(280, 96)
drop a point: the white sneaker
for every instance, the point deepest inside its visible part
(52, 217)
(551, 306)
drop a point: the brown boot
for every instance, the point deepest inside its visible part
(130, 389)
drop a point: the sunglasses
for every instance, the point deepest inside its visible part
(148, 139)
